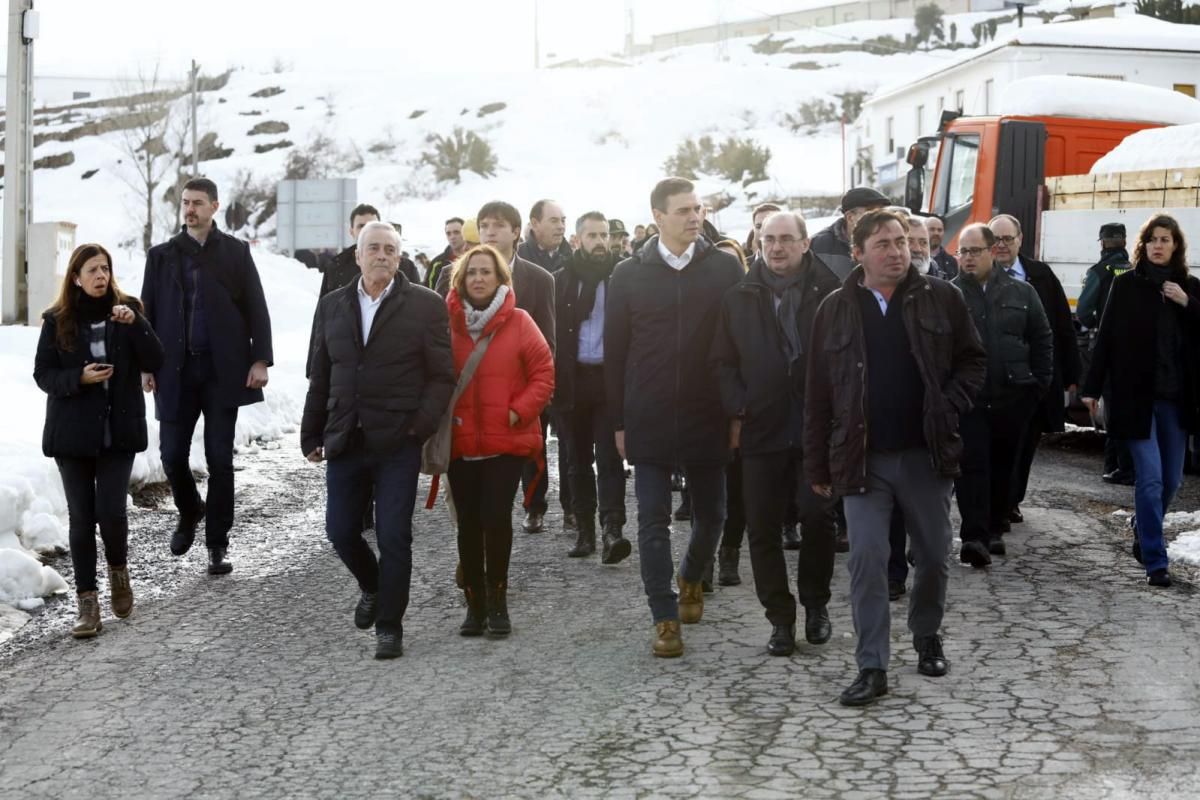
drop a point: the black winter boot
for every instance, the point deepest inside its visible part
(497, 610)
(585, 540)
(727, 575)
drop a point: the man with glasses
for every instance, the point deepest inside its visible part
(759, 348)
(1050, 415)
(1020, 364)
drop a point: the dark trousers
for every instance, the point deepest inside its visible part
(350, 480)
(992, 438)
(537, 504)
(1029, 445)
(1116, 455)
(898, 540)
(96, 489)
(652, 485)
(771, 481)
(590, 431)
(735, 506)
(198, 396)
(483, 496)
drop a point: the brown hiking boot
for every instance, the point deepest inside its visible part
(88, 624)
(691, 601)
(120, 592)
(667, 641)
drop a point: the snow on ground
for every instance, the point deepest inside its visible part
(1157, 148)
(1074, 96)
(32, 504)
(1185, 549)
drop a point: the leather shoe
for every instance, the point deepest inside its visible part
(869, 686)
(1015, 516)
(217, 563)
(1136, 550)
(782, 641)
(727, 572)
(533, 523)
(1160, 577)
(668, 643)
(896, 590)
(996, 547)
(615, 547)
(1118, 477)
(691, 601)
(975, 554)
(388, 645)
(185, 531)
(791, 538)
(817, 628)
(931, 661)
(364, 612)
(569, 521)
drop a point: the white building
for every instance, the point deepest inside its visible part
(805, 14)
(1126, 48)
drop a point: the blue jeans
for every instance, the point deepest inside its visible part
(349, 481)
(652, 485)
(198, 395)
(1158, 463)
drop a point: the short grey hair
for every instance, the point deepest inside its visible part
(795, 216)
(376, 225)
(915, 221)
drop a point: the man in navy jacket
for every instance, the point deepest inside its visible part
(205, 301)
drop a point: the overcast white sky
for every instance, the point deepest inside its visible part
(107, 37)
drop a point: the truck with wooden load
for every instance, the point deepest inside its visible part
(1035, 166)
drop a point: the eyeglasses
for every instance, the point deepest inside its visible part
(1005, 239)
(971, 251)
(786, 241)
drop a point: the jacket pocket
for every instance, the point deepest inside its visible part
(1017, 373)
(331, 404)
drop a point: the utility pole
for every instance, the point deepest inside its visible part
(18, 159)
(537, 48)
(195, 146)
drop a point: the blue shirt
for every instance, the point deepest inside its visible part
(591, 332)
(1018, 271)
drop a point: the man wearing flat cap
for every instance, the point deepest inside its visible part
(1114, 259)
(832, 245)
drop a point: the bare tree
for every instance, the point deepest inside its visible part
(143, 140)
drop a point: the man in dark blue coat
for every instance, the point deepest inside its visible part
(205, 301)
(661, 309)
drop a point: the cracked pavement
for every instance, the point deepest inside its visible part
(1069, 677)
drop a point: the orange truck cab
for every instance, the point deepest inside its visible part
(978, 167)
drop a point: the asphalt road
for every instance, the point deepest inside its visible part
(1070, 678)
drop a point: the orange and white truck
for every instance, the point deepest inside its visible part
(1037, 167)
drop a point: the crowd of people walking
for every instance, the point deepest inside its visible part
(821, 392)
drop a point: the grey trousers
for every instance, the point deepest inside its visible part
(905, 478)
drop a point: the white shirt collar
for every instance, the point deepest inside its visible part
(673, 261)
(364, 296)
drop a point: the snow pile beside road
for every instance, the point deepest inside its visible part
(1157, 148)
(33, 508)
(1185, 549)
(1073, 96)
(24, 580)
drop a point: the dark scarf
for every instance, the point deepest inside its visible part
(1158, 275)
(93, 309)
(590, 272)
(787, 289)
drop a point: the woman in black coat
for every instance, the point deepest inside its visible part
(95, 344)
(1148, 348)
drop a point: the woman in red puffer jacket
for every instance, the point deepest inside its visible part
(496, 427)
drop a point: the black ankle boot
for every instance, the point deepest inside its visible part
(476, 621)
(727, 573)
(498, 623)
(585, 541)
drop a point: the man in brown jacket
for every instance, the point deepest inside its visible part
(894, 361)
